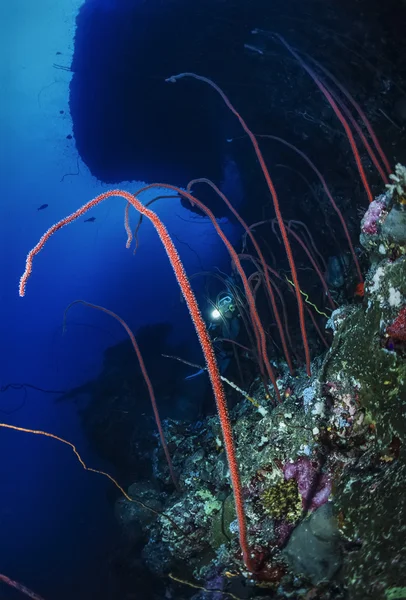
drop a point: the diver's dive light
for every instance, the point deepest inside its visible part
(223, 308)
(215, 314)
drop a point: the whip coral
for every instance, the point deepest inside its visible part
(275, 200)
(144, 374)
(21, 588)
(200, 328)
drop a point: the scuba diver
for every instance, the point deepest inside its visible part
(223, 324)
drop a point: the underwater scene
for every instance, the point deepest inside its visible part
(203, 300)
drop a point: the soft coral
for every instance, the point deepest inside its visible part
(314, 486)
(397, 330)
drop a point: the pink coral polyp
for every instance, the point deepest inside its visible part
(372, 216)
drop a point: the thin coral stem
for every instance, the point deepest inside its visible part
(20, 587)
(259, 274)
(255, 281)
(261, 258)
(245, 348)
(315, 267)
(311, 245)
(127, 226)
(276, 274)
(307, 252)
(328, 193)
(230, 383)
(275, 199)
(256, 322)
(72, 446)
(91, 470)
(360, 133)
(317, 328)
(144, 374)
(201, 331)
(337, 111)
(359, 111)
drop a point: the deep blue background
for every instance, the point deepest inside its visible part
(86, 109)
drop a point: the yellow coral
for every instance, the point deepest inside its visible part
(283, 501)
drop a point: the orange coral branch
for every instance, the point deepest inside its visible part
(144, 373)
(201, 331)
(337, 111)
(20, 587)
(364, 120)
(256, 322)
(80, 459)
(261, 258)
(275, 199)
(328, 193)
(82, 462)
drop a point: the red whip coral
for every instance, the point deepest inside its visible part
(20, 587)
(144, 372)
(397, 330)
(200, 328)
(272, 190)
(337, 111)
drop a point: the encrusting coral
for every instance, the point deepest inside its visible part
(328, 463)
(282, 501)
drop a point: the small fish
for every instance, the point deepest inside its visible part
(360, 290)
(90, 220)
(194, 375)
(42, 207)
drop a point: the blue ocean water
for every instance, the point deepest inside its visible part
(84, 109)
(57, 520)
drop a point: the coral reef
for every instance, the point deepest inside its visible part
(322, 472)
(383, 228)
(282, 501)
(366, 370)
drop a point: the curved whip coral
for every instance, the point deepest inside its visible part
(256, 322)
(201, 331)
(144, 374)
(20, 587)
(275, 200)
